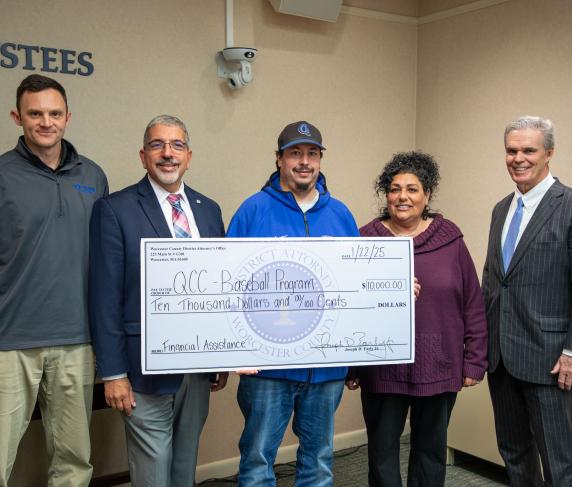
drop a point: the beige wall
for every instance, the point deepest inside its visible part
(153, 58)
(476, 73)
(373, 87)
(354, 79)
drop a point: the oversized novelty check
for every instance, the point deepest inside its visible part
(226, 304)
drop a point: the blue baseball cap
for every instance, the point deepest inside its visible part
(299, 133)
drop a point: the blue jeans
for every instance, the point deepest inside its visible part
(267, 405)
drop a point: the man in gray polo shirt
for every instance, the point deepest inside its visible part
(46, 194)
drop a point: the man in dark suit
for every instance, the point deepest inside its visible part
(163, 414)
(528, 292)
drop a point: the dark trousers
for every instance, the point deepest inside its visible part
(385, 416)
(532, 419)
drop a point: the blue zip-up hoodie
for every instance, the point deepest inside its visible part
(273, 212)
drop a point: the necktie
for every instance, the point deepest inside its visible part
(510, 241)
(180, 222)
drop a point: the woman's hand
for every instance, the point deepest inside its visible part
(246, 371)
(219, 381)
(352, 384)
(470, 382)
(416, 288)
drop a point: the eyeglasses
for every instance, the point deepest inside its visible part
(159, 145)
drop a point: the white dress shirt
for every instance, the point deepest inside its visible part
(530, 201)
(162, 194)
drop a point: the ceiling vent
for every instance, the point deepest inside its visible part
(313, 9)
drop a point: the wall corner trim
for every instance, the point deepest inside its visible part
(463, 9)
(426, 19)
(376, 14)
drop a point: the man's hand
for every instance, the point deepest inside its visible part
(416, 288)
(352, 384)
(219, 382)
(119, 395)
(563, 367)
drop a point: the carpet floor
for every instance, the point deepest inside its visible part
(350, 470)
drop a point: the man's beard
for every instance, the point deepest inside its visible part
(303, 186)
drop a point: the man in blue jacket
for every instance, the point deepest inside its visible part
(293, 203)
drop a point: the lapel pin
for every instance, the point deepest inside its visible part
(198, 201)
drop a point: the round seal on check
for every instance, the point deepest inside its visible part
(291, 289)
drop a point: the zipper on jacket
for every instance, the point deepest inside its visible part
(306, 224)
(307, 227)
(60, 202)
(310, 374)
(310, 371)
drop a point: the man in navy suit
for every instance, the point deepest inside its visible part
(163, 414)
(527, 286)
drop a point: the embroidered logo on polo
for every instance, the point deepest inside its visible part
(84, 189)
(304, 129)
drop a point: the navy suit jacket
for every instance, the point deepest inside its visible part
(529, 307)
(118, 223)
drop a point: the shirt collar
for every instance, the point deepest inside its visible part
(531, 198)
(161, 193)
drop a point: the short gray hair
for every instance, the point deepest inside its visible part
(169, 121)
(537, 123)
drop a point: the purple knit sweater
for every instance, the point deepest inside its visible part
(450, 323)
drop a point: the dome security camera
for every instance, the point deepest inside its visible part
(239, 54)
(233, 64)
(243, 76)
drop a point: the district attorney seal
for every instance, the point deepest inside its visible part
(292, 292)
(286, 313)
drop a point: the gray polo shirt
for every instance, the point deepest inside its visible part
(44, 230)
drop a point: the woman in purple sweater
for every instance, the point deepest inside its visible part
(450, 332)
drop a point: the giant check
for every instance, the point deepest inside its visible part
(225, 304)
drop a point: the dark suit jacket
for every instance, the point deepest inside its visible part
(529, 308)
(118, 223)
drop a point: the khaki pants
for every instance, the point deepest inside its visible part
(61, 379)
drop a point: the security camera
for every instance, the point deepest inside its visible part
(233, 64)
(241, 77)
(239, 54)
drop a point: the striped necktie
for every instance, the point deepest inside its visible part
(512, 234)
(180, 222)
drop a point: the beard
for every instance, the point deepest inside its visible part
(168, 178)
(304, 186)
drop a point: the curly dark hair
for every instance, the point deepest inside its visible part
(418, 163)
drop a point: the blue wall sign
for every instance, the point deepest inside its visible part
(46, 59)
